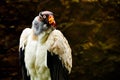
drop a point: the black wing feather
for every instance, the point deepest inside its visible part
(22, 65)
(57, 70)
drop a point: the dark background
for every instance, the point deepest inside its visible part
(92, 28)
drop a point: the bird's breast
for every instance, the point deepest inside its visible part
(36, 58)
(41, 55)
(30, 53)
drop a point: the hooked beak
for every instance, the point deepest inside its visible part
(51, 20)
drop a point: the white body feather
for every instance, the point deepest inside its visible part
(36, 58)
(36, 52)
(58, 44)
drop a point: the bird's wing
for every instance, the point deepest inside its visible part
(23, 38)
(23, 41)
(59, 46)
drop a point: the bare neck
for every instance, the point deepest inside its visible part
(42, 37)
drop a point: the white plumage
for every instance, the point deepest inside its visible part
(58, 44)
(35, 58)
(36, 47)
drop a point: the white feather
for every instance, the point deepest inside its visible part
(58, 44)
(23, 38)
(35, 58)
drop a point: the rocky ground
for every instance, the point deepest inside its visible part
(92, 29)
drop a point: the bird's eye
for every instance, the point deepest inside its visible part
(44, 16)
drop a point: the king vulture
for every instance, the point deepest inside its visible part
(43, 50)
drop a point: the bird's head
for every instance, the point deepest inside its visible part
(44, 21)
(48, 18)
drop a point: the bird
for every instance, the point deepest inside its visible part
(44, 52)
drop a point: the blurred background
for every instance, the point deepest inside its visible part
(92, 28)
